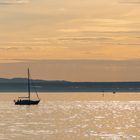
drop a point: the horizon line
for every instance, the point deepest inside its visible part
(45, 80)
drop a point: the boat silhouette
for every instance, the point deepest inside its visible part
(27, 100)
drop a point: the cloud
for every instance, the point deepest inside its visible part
(68, 30)
(84, 38)
(13, 2)
(15, 48)
(74, 38)
(23, 45)
(130, 1)
(129, 44)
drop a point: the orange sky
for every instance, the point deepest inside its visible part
(69, 30)
(87, 29)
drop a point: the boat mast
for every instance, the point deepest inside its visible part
(29, 84)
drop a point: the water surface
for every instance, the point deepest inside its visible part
(70, 120)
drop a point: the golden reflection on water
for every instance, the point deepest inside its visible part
(71, 120)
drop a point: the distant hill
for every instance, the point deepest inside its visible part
(16, 80)
(20, 85)
(24, 80)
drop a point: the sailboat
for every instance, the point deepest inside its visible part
(27, 100)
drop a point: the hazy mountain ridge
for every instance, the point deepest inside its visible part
(24, 80)
(20, 85)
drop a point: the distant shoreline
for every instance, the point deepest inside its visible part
(137, 92)
(20, 85)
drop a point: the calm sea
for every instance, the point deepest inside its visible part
(70, 120)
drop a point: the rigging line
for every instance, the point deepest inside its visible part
(34, 87)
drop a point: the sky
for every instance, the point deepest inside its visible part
(106, 32)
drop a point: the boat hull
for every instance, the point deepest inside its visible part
(27, 102)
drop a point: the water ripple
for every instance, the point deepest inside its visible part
(84, 120)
